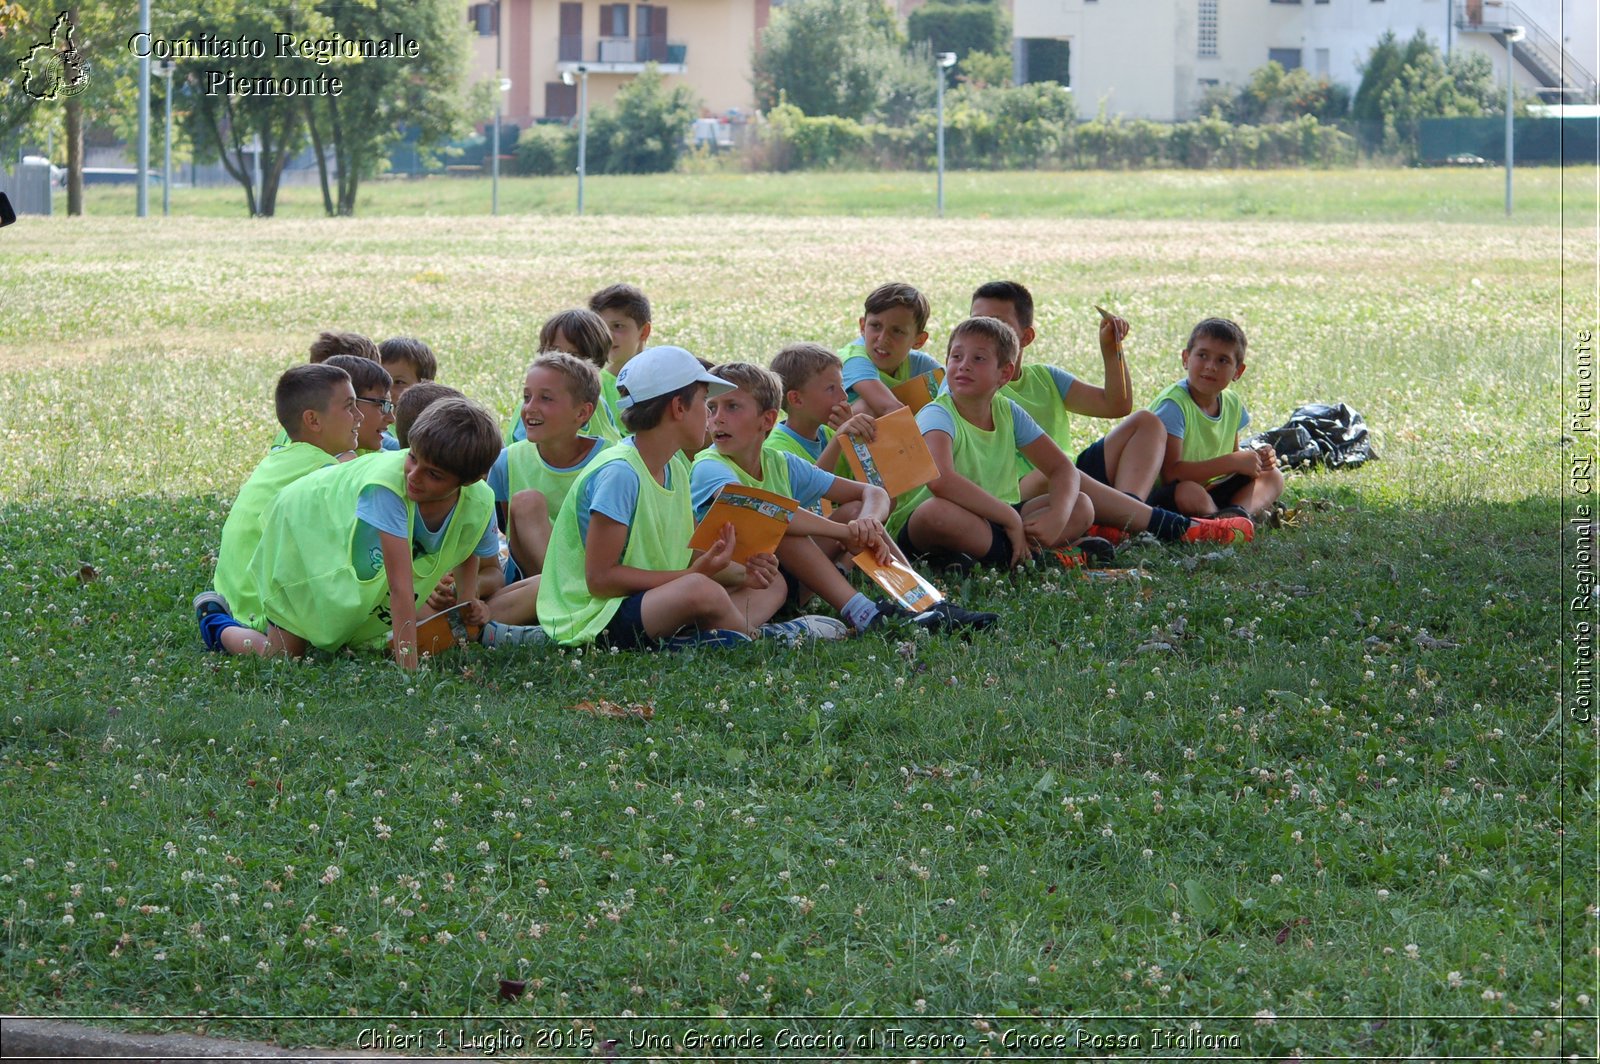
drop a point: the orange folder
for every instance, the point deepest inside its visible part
(897, 461)
(441, 631)
(759, 520)
(919, 391)
(903, 583)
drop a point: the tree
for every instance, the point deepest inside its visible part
(962, 28)
(359, 126)
(645, 129)
(1402, 86)
(1384, 64)
(1274, 94)
(827, 57)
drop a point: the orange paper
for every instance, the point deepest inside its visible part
(919, 391)
(759, 519)
(903, 583)
(441, 631)
(897, 461)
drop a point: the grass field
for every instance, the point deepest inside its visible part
(1382, 195)
(1310, 827)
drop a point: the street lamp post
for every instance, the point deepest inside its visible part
(142, 200)
(167, 67)
(945, 60)
(499, 91)
(582, 81)
(1513, 35)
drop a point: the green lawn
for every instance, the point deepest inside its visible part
(1309, 827)
(1366, 195)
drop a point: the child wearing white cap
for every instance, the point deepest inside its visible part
(619, 567)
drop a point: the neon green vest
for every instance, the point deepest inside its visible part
(1205, 438)
(280, 441)
(1035, 391)
(609, 396)
(658, 538)
(242, 531)
(526, 470)
(602, 423)
(774, 470)
(304, 567)
(988, 459)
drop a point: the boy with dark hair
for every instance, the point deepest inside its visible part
(317, 408)
(409, 361)
(974, 507)
(894, 326)
(740, 422)
(1204, 471)
(416, 399)
(347, 552)
(372, 384)
(626, 312)
(1124, 456)
(815, 408)
(620, 566)
(583, 334)
(332, 342)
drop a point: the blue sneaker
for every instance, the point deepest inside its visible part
(811, 626)
(710, 637)
(208, 605)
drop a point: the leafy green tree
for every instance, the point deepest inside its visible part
(962, 28)
(986, 69)
(645, 129)
(827, 57)
(1384, 64)
(1274, 94)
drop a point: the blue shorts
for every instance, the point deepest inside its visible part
(1091, 461)
(626, 629)
(999, 556)
(1222, 492)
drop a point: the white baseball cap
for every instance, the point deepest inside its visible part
(658, 371)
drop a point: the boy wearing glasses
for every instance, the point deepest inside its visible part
(372, 383)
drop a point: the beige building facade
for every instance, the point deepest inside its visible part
(704, 44)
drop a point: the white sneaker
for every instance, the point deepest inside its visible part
(810, 626)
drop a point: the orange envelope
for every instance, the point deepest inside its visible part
(897, 461)
(919, 391)
(759, 519)
(441, 631)
(903, 583)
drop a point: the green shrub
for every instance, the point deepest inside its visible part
(544, 151)
(797, 141)
(962, 28)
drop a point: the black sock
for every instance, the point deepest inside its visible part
(1164, 524)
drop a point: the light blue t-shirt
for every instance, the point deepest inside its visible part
(1062, 379)
(858, 369)
(936, 418)
(806, 482)
(499, 478)
(613, 491)
(1171, 415)
(389, 442)
(380, 510)
(813, 446)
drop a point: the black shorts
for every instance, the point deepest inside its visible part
(1091, 461)
(998, 557)
(1222, 492)
(626, 628)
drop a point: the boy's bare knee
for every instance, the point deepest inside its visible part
(1191, 498)
(1146, 421)
(529, 505)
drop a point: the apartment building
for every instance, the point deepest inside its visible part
(1155, 58)
(704, 44)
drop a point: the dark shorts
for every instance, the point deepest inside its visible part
(626, 630)
(1091, 461)
(998, 557)
(795, 594)
(1222, 492)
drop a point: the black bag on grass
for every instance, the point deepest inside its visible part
(1336, 436)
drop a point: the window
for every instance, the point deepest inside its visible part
(613, 20)
(482, 18)
(1044, 59)
(1284, 1)
(1322, 62)
(1206, 29)
(1288, 58)
(560, 101)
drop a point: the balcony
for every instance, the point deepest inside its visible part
(622, 55)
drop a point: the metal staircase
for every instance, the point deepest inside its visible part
(1562, 79)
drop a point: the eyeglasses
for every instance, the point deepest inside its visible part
(385, 405)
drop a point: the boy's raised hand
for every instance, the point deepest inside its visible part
(1112, 331)
(863, 425)
(713, 561)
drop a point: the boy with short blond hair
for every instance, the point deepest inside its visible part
(1111, 468)
(740, 421)
(409, 361)
(975, 507)
(894, 326)
(372, 384)
(815, 408)
(625, 309)
(316, 405)
(581, 333)
(619, 567)
(1204, 471)
(347, 552)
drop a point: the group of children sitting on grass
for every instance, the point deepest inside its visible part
(347, 531)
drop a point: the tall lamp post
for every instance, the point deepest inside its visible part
(142, 200)
(582, 81)
(166, 70)
(1513, 35)
(946, 60)
(494, 138)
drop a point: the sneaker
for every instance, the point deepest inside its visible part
(1231, 511)
(208, 602)
(206, 605)
(1111, 535)
(1220, 530)
(1097, 549)
(942, 616)
(495, 634)
(710, 637)
(1061, 558)
(810, 626)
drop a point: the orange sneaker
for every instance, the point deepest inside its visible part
(1220, 530)
(1111, 535)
